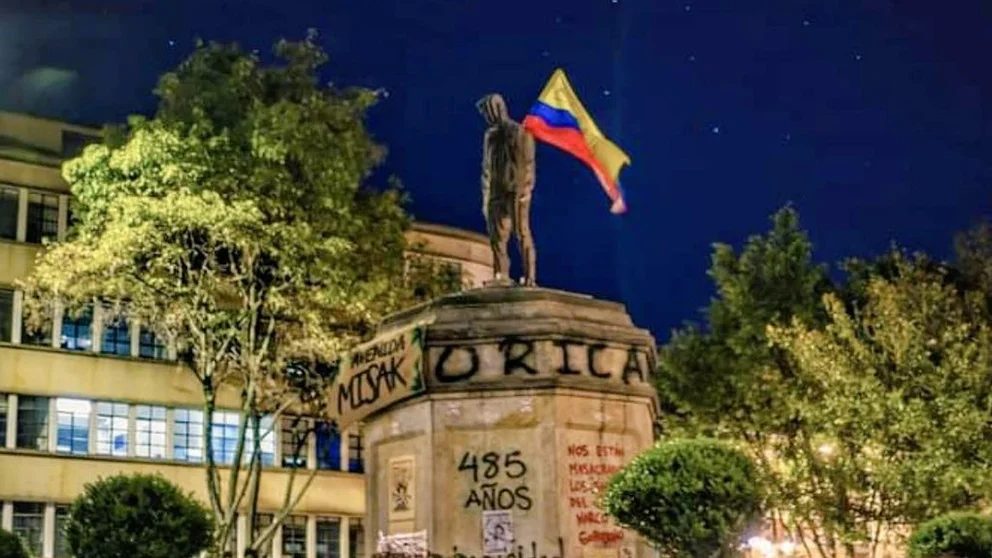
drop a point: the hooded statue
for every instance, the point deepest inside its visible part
(507, 184)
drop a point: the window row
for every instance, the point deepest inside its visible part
(110, 428)
(96, 329)
(41, 527)
(28, 215)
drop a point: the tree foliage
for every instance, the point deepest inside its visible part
(236, 223)
(690, 498)
(139, 516)
(11, 546)
(953, 535)
(866, 405)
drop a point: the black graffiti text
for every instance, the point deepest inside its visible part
(365, 387)
(493, 496)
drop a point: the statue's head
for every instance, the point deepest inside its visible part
(493, 108)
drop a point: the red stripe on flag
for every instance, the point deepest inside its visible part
(571, 141)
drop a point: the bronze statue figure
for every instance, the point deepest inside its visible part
(507, 185)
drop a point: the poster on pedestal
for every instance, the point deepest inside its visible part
(402, 488)
(497, 532)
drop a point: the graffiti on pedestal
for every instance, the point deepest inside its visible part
(496, 481)
(590, 467)
(517, 357)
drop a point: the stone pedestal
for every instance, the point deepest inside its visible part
(531, 399)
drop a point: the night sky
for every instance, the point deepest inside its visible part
(872, 118)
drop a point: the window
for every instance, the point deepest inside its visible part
(29, 525)
(187, 438)
(74, 142)
(150, 345)
(356, 536)
(8, 212)
(328, 446)
(111, 428)
(73, 416)
(6, 314)
(43, 217)
(355, 462)
(262, 522)
(77, 330)
(61, 544)
(41, 336)
(149, 432)
(294, 537)
(267, 443)
(294, 442)
(328, 537)
(224, 435)
(32, 422)
(4, 409)
(116, 337)
(71, 215)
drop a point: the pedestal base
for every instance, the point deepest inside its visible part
(533, 399)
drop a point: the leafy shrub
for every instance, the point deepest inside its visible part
(689, 498)
(138, 516)
(953, 535)
(11, 546)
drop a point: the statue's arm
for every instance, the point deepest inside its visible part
(486, 174)
(528, 165)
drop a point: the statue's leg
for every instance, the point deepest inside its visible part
(499, 235)
(521, 224)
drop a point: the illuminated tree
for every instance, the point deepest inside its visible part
(866, 406)
(236, 223)
(896, 408)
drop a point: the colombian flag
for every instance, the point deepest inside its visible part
(559, 118)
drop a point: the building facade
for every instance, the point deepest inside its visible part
(96, 396)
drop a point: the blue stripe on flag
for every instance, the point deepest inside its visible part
(557, 118)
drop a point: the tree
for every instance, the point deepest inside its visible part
(953, 535)
(750, 393)
(236, 224)
(896, 401)
(140, 516)
(865, 404)
(11, 546)
(691, 498)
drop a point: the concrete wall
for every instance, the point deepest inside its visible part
(42, 477)
(39, 132)
(54, 372)
(17, 173)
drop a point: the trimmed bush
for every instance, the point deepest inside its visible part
(138, 516)
(689, 498)
(11, 546)
(953, 535)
